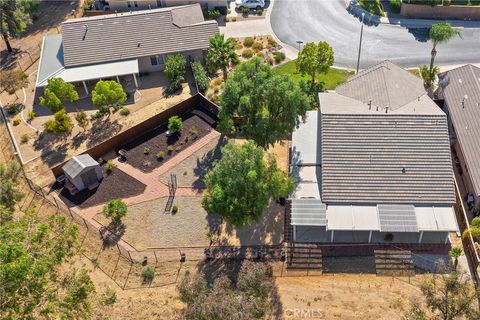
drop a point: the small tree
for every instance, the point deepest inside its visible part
(148, 274)
(175, 124)
(221, 54)
(455, 253)
(13, 80)
(13, 20)
(428, 75)
(82, 119)
(61, 123)
(448, 296)
(474, 229)
(57, 92)
(115, 209)
(241, 184)
(175, 70)
(108, 94)
(315, 58)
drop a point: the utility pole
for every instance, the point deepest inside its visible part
(360, 45)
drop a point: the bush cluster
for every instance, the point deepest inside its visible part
(200, 75)
(247, 53)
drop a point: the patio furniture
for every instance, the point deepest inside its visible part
(123, 154)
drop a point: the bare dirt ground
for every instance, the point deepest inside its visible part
(346, 296)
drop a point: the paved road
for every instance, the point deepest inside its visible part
(328, 20)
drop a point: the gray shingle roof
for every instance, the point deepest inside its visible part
(385, 85)
(363, 157)
(78, 164)
(131, 35)
(461, 90)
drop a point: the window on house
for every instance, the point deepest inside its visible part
(156, 60)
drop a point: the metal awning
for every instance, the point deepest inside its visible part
(52, 66)
(397, 218)
(308, 212)
(436, 219)
(349, 217)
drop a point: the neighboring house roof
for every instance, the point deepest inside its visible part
(461, 90)
(386, 158)
(51, 65)
(78, 164)
(131, 35)
(384, 85)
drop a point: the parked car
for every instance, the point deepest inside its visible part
(250, 4)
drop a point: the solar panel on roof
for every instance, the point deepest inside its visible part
(397, 218)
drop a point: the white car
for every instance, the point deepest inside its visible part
(250, 4)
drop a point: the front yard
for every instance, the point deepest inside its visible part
(331, 79)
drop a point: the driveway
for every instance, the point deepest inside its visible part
(328, 20)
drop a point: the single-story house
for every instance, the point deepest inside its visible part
(82, 172)
(123, 44)
(373, 164)
(151, 4)
(460, 88)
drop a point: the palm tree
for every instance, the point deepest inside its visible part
(455, 253)
(221, 53)
(440, 33)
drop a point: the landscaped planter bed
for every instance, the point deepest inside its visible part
(157, 141)
(115, 185)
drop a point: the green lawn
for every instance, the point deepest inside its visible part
(332, 78)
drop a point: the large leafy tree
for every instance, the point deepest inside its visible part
(447, 296)
(315, 58)
(13, 20)
(440, 33)
(32, 284)
(57, 92)
(108, 94)
(241, 184)
(221, 54)
(261, 106)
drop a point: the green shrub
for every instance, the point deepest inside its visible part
(279, 56)
(260, 54)
(24, 138)
(175, 124)
(14, 108)
(124, 111)
(175, 70)
(200, 76)
(169, 148)
(238, 47)
(174, 209)
(146, 150)
(160, 155)
(270, 61)
(193, 131)
(31, 115)
(395, 5)
(109, 166)
(248, 42)
(211, 14)
(271, 42)
(247, 53)
(16, 122)
(245, 11)
(148, 274)
(217, 81)
(61, 123)
(257, 46)
(223, 10)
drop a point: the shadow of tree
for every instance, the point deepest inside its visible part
(207, 162)
(112, 234)
(52, 147)
(101, 130)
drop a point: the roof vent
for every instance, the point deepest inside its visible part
(460, 80)
(370, 105)
(403, 170)
(86, 30)
(386, 110)
(138, 45)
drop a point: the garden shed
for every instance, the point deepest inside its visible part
(82, 172)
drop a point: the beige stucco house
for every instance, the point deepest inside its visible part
(123, 44)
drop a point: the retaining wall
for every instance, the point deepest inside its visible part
(440, 12)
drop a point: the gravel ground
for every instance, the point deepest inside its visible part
(191, 172)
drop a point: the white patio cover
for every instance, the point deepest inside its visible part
(436, 219)
(348, 217)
